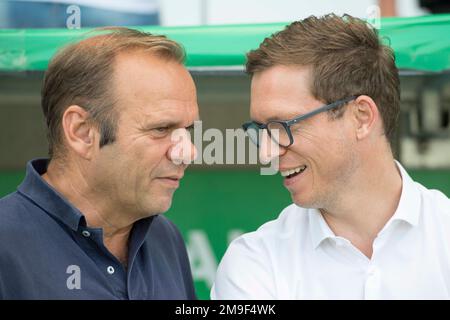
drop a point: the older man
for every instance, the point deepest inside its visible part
(85, 224)
(326, 91)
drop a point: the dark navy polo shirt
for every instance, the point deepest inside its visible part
(48, 252)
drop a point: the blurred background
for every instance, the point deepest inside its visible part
(216, 203)
(52, 13)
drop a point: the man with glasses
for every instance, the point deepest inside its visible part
(325, 92)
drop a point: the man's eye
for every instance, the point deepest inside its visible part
(160, 131)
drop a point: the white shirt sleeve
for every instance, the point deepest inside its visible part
(244, 272)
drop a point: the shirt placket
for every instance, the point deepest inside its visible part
(110, 267)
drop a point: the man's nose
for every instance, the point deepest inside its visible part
(182, 150)
(268, 149)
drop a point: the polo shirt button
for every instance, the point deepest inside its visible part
(86, 233)
(110, 270)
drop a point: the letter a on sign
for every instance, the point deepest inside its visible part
(74, 280)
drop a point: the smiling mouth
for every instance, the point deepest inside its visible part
(288, 174)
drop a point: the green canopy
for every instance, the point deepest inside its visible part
(420, 43)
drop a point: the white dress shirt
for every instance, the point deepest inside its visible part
(297, 256)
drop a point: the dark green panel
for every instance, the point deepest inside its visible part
(9, 181)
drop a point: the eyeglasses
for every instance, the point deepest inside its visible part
(280, 130)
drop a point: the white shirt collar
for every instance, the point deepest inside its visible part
(318, 228)
(410, 199)
(408, 210)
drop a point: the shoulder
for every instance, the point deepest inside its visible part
(246, 269)
(435, 196)
(19, 227)
(164, 234)
(165, 223)
(14, 208)
(169, 251)
(434, 202)
(167, 228)
(292, 220)
(430, 202)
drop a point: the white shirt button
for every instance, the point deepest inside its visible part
(110, 270)
(86, 233)
(371, 271)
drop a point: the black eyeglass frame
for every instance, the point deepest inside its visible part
(288, 123)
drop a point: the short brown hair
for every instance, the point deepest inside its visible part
(81, 74)
(346, 56)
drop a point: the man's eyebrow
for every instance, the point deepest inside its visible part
(267, 120)
(272, 118)
(165, 123)
(191, 126)
(290, 117)
(158, 123)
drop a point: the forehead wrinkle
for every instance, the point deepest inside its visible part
(161, 111)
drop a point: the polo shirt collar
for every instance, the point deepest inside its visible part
(36, 189)
(408, 210)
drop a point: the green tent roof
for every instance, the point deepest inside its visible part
(420, 43)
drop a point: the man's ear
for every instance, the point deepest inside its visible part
(79, 131)
(366, 116)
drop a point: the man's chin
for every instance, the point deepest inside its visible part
(164, 206)
(302, 201)
(153, 208)
(165, 209)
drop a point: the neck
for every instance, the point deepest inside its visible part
(368, 204)
(96, 207)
